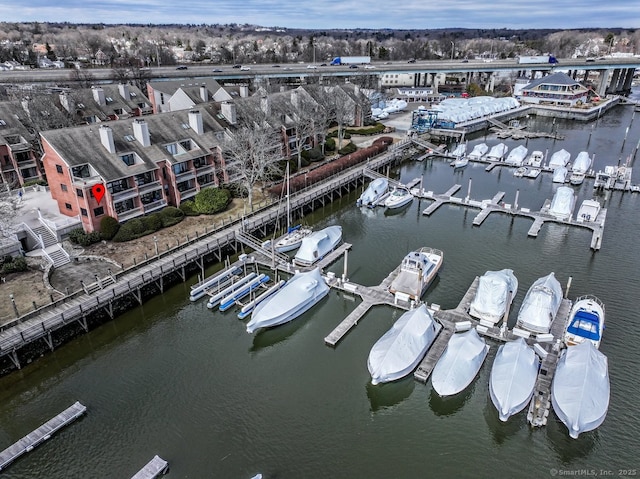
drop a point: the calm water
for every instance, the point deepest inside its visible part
(176, 379)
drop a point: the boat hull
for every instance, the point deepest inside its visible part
(496, 290)
(540, 305)
(316, 245)
(513, 378)
(586, 322)
(292, 240)
(376, 189)
(417, 271)
(397, 200)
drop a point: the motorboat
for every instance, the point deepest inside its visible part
(517, 155)
(563, 203)
(581, 165)
(513, 377)
(401, 348)
(588, 211)
(496, 290)
(460, 363)
(398, 197)
(586, 322)
(580, 390)
(374, 192)
(478, 152)
(460, 162)
(315, 246)
(292, 239)
(417, 270)
(497, 152)
(540, 305)
(533, 173)
(298, 295)
(459, 150)
(559, 158)
(535, 159)
(560, 175)
(520, 172)
(576, 178)
(603, 181)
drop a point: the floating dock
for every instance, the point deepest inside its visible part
(44, 432)
(154, 468)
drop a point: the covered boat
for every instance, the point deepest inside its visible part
(582, 163)
(496, 290)
(540, 305)
(460, 363)
(586, 322)
(560, 175)
(580, 390)
(459, 150)
(588, 211)
(559, 158)
(316, 245)
(516, 156)
(478, 151)
(562, 203)
(497, 152)
(417, 270)
(401, 348)
(376, 189)
(535, 159)
(513, 377)
(460, 162)
(398, 197)
(299, 294)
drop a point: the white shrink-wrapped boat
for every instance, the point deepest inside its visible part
(563, 203)
(460, 363)
(540, 305)
(299, 294)
(559, 158)
(478, 152)
(376, 189)
(316, 245)
(497, 152)
(459, 150)
(560, 175)
(513, 377)
(516, 156)
(417, 270)
(582, 163)
(401, 348)
(496, 290)
(580, 390)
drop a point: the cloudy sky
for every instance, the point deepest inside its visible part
(321, 14)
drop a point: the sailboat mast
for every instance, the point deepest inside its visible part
(288, 208)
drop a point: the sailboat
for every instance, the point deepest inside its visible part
(292, 239)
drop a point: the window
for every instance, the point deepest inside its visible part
(68, 206)
(83, 212)
(79, 193)
(3, 123)
(98, 211)
(172, 148)
(129, 137)
(59, 168)
(128, 159)
(63, 187)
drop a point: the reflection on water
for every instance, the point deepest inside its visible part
(568, 449)
(449, 405)
(386, 395)
(501, 431)
(267, 337)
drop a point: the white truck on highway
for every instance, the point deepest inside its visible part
(537, 59)
(350, 60)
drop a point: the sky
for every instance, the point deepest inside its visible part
(342, 14)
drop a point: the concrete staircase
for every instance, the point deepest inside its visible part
(53, 251)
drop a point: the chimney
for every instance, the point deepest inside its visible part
(228, 110)
(98, 95)
(244, 91)
(264, 104)
(67, 102)
(294, 98)
(141, 132)
(123, 88)
(204, 93)
(106, 137)
(195, 121)
(356, 89)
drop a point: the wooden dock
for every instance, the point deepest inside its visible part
(154, 468)
(439, 200)
(44, 432)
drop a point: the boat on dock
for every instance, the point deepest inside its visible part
(540, 305)
(497, 152)
(315, 246)
(300, 293)
(603, 180)
(560, 175)
(513, 377)
(400, 349)
(496, 290)
(292, 239)
(581, 165)
(233, 298)
(563, 202)
(533, 173)
(478, 152)
(520, 171)
(516, 156)
(376, 189)
(535, 159)
(247, 309)
(217, 297)
(417, 270)
(559, 159)
(459, 150)
(215, 282)
(586, 322)
(460, 162)
(398, 198)
(460, 363)
(588, 211)
(580, 390)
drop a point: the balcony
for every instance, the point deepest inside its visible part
(203, 181)
(28, 163)
(81, 182)
(156, 205)
(185, 176)
(201, 170)
(124, 195)
(8, 167)
(188, 193)
(128, 214)
(153, 185)
(22, 146)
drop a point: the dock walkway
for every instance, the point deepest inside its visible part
(44, 432)
(154, 468)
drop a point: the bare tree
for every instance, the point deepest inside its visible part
(10, 205)
(300, 115)
(340, 106)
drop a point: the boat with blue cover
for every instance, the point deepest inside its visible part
(586, 322)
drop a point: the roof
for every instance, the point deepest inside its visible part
(558, 78)
(81, 145)
(10, 124)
